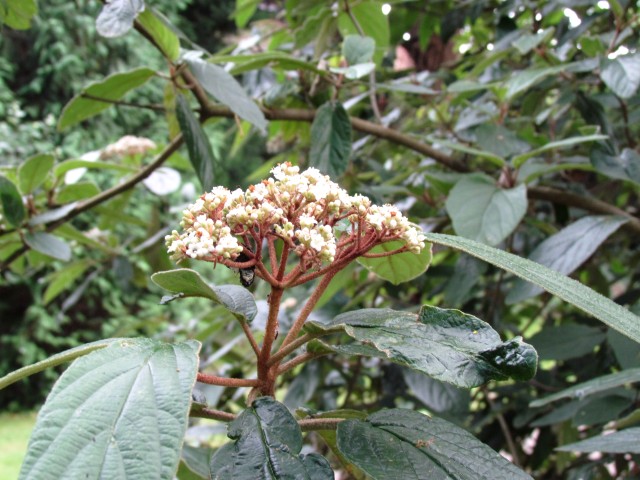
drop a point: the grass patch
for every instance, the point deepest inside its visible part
(15, 429)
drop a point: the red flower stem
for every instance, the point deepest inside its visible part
(308, 308)
(283, 262)
(385, 254)
(226, 382)
(250, 337)
(299, 360)
(292, 347)
(272, 255)
(267, 376)
(213, 414)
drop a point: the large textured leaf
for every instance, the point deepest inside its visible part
(200, 153)
(407, 445)
(624, 441)
(397, 268)
(448, 345)
(567, 250)
(481, 211)
(189, 283)
(226, 89)
(330, 140)
(11, 201)
(622, 75)
(120, 412)
(161, 34)
(113, 88)
(553, 282)
(117, 16)
(17, 14)
(590, 387)
(55, 360)
(33, 172)
(48, 244)
(267, 444)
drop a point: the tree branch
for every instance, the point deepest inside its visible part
(103, 196)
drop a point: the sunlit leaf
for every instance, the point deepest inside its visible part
(115, 413)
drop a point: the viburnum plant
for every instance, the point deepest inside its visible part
(312, 219)
(296, 227)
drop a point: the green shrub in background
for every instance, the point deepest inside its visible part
(511, 125)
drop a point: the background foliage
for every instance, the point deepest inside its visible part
(512, 123)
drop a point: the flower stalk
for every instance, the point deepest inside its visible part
(318, 225)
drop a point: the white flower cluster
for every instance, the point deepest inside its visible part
(301, 208)
(128, 145)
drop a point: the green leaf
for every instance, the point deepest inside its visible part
(330, 140)
(622, 75)
(238, 300)
(18, 13)
(49, 244)
(626, 351)
(111, 89)
(116, 17)
(77, 191)
(196, 460)
(226, 89)
(198, 145)
(566, 341)
(564, 287)
(529, 41)
(273, 59)
(69, 165)
(161, 34)
(373, 22)
(567, 142)
(524, 80)
(565, 251)
(624, 441)
(33, 172)
(358, 49)
(267, 444)
(55, 360)
(11, 201)
(447, 345)
(244, 11)
(354, 72)
(495, 159)
(64, 278)
(401, 444)
(51, 215)
(400, 267)
(625, 166)
(481, 211)
(584, 389)
(120, 412)
(437, 396)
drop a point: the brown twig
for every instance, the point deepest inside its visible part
(103, 196)
(225, 381)
(213, 414)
